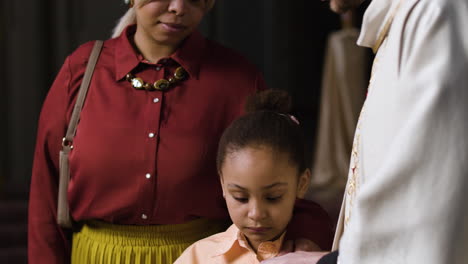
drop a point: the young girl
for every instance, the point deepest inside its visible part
(263, 172)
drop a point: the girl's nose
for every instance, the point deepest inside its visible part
(257, 212)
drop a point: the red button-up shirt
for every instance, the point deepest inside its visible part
(139, 157)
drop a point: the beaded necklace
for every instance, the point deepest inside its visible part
(180, 75)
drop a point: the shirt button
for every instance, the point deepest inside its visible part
(158, 68)
(148, 175)
(143, 216)
(151, 135)
(155, 100)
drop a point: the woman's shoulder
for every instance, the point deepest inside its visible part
(229, 57)
(82, 52)
(79, 57)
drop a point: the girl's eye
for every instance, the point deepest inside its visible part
(274, 199)
(241, 199)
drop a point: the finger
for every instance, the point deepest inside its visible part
(306, 245)
(288, 246)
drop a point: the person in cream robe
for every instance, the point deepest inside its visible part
(405, 199)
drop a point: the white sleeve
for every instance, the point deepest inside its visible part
(414, 208)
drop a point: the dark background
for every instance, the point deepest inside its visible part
(285, 39)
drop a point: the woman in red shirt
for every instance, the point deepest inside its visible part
(143, 181)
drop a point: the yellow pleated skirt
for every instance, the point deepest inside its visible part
(103, 243)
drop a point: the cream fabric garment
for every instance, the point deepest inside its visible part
(405, 200)
(344, 86)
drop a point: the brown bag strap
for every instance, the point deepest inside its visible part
(64, 218)
(68, 139)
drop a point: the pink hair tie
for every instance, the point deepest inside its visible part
(293, 118)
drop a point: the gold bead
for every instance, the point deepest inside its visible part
(161, 85)
(180, 73)
(148, 87)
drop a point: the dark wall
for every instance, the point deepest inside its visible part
(285, 39)
(25, 76)
(3, 99)
(36, 36)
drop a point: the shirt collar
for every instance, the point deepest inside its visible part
(126, 59)
(374, 20)
(228, 240)
(234, 237)
(188, 55)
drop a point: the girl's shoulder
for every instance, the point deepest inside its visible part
(205, 249)
(219, 240)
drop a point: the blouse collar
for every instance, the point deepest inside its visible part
(188, 55)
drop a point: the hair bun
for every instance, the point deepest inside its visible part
(269, 100)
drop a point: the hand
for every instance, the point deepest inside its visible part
(298, 245)
(298, 257)
(299, 251)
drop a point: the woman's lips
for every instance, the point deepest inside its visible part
(171, 27)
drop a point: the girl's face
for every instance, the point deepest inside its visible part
(260, 187)
(168, 22)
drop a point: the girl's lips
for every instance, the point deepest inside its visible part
(258, 229)
(170, 27)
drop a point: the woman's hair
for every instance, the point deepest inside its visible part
(267, 123)
(129, 17)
